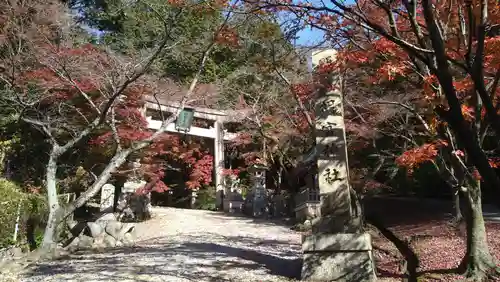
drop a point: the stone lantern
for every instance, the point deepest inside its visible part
(233, 202)
(258, 194)
(132, 206)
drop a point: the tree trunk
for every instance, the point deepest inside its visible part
(478, 259)
(456, 204)
(103, 178)
(56, 214)
(411, 261)
(473, 149)
(49, 237)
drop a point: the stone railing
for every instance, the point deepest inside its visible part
(307, 204)
(306, 195)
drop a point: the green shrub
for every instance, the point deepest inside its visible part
(205, 199)
(36, 214)
(11, 199)
(30, 206)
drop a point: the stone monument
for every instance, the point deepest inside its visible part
(107, 202)
(107, 197)
(106, 230)
(337, 249)
(235, 197)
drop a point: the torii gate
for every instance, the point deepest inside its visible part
(215, 132)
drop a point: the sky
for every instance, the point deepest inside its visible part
(312, 36)
(308, 37)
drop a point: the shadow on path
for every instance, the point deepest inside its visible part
(175, 261)
(271, 221)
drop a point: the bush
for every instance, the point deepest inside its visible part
(35, 217)
(12, 198)
(205, 199)
(32, 208)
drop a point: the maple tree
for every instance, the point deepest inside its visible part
(167, 150)
(275, 132)
(72, 91)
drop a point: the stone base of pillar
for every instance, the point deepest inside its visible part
(343, 257)
(233, 206)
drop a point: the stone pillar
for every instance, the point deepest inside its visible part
(219, 163)
(336, 250)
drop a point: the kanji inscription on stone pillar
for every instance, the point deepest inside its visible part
(332, 160)
(107, 198)
(337, 249)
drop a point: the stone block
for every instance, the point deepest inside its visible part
(132, 186)
(336, 242)
(133, 234)
(113, 229)
(95, 229)
(128, 240)
(106, 217)
(338, 257)
(85, 242)
(110, 241)
(126, 228)
(10, 253)
(74, 244)
(99, 243)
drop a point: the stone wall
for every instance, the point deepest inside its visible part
(109, 228)
(10, 253)
(102, 233)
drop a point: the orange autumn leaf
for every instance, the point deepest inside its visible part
(416, 156)
(468, 112)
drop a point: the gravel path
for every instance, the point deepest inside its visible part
(187, 245)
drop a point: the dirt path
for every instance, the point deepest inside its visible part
(187, 245)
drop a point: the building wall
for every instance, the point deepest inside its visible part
(318, 55)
